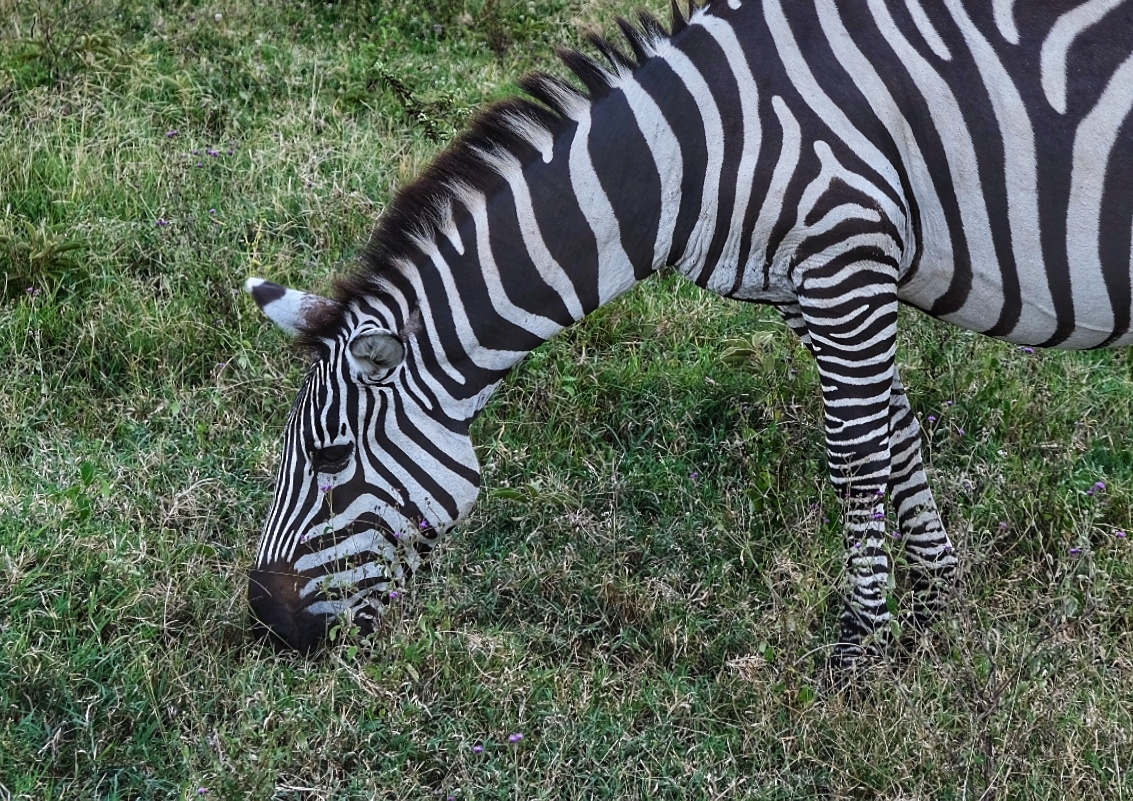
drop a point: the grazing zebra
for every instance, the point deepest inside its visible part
(972, 159)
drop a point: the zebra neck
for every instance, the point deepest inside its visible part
(558, 236)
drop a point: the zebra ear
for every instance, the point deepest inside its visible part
(287, 308)
(377, 353)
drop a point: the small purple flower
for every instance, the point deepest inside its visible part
(424, 524)
(325, 488)
(1120, 534)
(172, 133)
(857, 546)
(1098, 487)
(879, 515)
(948, 403)
(478, 749)
(231, 152)
(213, 152)
(202, 791)
(960, 432)
(212, 211)
(1075, 551)
(896, 535)
(1027, 350)
(394, 595)
(196, 152)
(33, 291)
(932, 418)
(161, 221)
(1003, 525)
(200, 164)
(694, 475)
(515, 738)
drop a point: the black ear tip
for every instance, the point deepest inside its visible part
(264, 292)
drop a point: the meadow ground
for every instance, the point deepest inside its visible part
(644, 592)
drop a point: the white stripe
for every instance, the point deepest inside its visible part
(1037, 321)
(665, 149)
(551, 272)
(701, 237)
(924, 25)
(1093, 145)
(985, 302)
(1058, 42)
(1004, 11)
(477, 205)
(724, 275)
(615, 273)
(486, 358)
(772, 207)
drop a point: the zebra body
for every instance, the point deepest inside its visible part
(833, 159)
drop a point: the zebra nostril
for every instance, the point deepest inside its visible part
(278, 615)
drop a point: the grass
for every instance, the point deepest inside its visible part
(644, 591)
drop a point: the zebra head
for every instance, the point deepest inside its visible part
(373, 471)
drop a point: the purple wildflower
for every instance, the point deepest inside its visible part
(478, 749)
(213, 152)
(694, 475)
(394, 595)
(1075, 551)
(424, 524)
(33, 291)
(325, 488)
(172, 133)
(879, 515)
(896, 535)
(515, 738)
(1027, 350)
(932, 418)
(1120, 533)
(1003, 525)
(161, 221)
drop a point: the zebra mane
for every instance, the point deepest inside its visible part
(517, 128)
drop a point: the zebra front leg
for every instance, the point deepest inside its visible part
(865, 616)
(851, 323)
(932, 561)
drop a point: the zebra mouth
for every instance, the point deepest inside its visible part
(297, 611)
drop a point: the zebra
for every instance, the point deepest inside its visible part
(834, 160)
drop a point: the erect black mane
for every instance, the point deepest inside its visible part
(418, 209)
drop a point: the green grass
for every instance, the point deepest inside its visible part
(645, 590)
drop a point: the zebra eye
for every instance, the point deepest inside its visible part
(331, 459)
